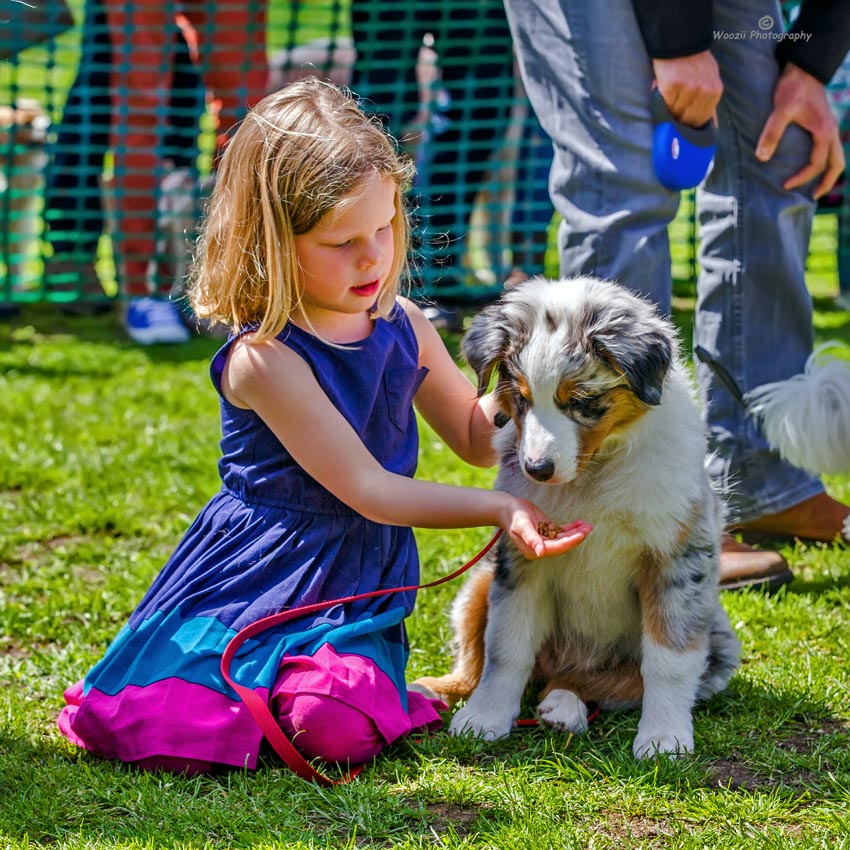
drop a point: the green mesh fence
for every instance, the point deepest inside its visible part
(110, 112)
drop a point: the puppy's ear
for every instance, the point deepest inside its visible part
(643, 358)
(483, 345)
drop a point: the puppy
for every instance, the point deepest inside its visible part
(602, 426)
(23, 157)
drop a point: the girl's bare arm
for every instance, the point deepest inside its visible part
(280, 387)
(448, 401)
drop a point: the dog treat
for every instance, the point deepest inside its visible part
(549, 529)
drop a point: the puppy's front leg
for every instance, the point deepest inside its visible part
(670, 681)
(677, 595)
(516, 626)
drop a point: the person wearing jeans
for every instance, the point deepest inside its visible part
(74, 212)
(589, 69)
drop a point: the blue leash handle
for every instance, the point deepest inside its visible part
(681, 154)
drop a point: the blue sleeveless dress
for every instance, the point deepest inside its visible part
(273, 538)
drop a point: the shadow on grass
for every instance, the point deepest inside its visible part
(814, 589)
(39, 323)
(48, 796)
(751, 740)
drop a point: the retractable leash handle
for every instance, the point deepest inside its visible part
(259, 708)
(681, 154)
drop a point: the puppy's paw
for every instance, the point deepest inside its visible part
(487, 725)
(448, 688)
(419, 687)
(668, 743)
(564, 710)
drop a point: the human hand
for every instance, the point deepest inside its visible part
(691, 87)
(535, 535)
(799, 98)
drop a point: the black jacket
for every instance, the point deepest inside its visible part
(672, 28)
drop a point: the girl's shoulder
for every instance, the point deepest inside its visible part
(406, 307)
(412, 325)
(240, 365)
(429, 343)
(410, 314)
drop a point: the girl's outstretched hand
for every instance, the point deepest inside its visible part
(536, 536)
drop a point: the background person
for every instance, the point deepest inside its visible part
(231, 41)
(74, 209)
(473, 46)
(589, 69)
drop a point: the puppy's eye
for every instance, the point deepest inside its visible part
(584, 407)
(520, 403)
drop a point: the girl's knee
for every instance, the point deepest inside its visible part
(325, 728)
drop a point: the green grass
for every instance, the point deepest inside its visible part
(106, 453)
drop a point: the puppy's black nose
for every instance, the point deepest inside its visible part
(541, 470)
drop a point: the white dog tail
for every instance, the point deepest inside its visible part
(805, 418)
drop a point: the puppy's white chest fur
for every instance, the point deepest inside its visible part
(595, 593)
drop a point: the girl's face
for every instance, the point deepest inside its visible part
(346, 257)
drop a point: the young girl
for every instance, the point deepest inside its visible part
(303, 247)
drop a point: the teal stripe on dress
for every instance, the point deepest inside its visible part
(167, 646)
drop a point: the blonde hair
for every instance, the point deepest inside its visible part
(294, 158)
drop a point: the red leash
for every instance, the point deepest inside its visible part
(259, 707)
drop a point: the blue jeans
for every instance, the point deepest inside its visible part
(588, 76)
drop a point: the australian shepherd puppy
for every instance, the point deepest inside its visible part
(601, 425)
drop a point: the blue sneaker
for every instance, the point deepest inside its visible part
(149, 321)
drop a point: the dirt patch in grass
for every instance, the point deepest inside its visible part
(37, 550)
(37, 553)
(629, 828)
(445, 816)
(736, 775)
(734, 772)
(805, 740)
(16, 650)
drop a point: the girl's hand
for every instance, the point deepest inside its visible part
(536, 536)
